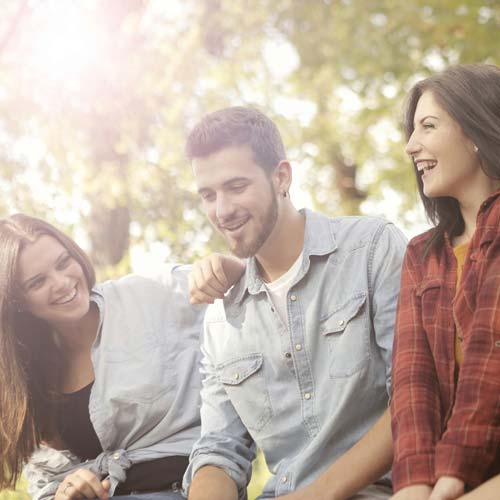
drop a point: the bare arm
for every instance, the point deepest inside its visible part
(487, 491)
(359, 467)
(212, 483)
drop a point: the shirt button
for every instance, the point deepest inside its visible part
(288, 355)
(307, 395)
(341, 322)
(298, 347)
(236, 376)
(293, 298)
(116, 455)
(284, 479)
(497, 343)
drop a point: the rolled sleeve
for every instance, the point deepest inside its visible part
(225, 441)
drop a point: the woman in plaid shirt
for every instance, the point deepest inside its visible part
(446, 361)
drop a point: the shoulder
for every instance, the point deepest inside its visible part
(417, 245)
(366, 229)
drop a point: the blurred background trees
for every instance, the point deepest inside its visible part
(97, 96)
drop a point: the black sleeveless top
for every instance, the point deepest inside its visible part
(78, 434)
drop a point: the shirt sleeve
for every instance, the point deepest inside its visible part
(225, 441)
(389, 248)
(46, 469)
(471, 442)
(415, 405)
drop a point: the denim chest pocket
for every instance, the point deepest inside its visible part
(141, 368)
(346, 331)
(244, 382)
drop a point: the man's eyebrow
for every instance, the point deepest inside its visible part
(235, 180)
(226, 184)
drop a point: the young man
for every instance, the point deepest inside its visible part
(297, 357)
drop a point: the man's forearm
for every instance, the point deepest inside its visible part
(364, 463)
(212, 483)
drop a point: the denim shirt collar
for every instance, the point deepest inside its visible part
(319, 239)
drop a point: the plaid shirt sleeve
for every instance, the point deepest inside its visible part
(471, 442)
(415, 404)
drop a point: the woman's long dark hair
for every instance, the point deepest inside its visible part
(470, 94)
(30, 360)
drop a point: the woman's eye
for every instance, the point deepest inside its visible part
(64, 262)
(428, 125)
(35, 284)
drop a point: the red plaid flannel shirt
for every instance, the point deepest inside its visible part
(446, 421)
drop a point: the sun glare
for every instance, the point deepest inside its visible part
(67, 43)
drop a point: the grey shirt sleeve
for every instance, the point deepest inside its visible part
(225, 441)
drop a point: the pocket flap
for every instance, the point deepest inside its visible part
(428, 284)
(337, 320)
(235, 371)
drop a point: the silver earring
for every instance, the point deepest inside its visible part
(476, 149)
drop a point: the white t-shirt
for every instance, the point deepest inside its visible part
(279, 288)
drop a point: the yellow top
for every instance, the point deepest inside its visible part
(460, 252)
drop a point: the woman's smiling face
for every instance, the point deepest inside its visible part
(445, 158)
(52, 282)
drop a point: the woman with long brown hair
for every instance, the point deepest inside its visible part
(446, 360)
(100, 383)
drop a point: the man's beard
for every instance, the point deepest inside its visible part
(244, 249)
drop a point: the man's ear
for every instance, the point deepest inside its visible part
(282, 177)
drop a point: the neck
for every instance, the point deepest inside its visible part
(79, 336)
(284, 244)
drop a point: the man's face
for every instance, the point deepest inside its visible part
(238, 198)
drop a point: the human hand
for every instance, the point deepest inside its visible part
(82, 483)
(413, 492)
(212, 276)
(447, 488)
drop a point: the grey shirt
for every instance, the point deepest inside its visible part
(304, 393)
(144, 402)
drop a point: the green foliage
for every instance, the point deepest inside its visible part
(98, 143)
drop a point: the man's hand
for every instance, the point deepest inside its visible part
(82, 484)
(212, 276)
(447, 488)
(414, 492)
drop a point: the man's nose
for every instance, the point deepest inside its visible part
(224, 207)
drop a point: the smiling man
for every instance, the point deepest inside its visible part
(297, 356)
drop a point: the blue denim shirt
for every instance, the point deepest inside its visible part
(144, 402)
(306, 394)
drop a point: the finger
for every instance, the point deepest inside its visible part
(106, 484)
(198, 289)
(64, 491)
(213, 276)
(89, 485)
(206, 282)
(78, 489)
(217, 268)
(201, 298)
